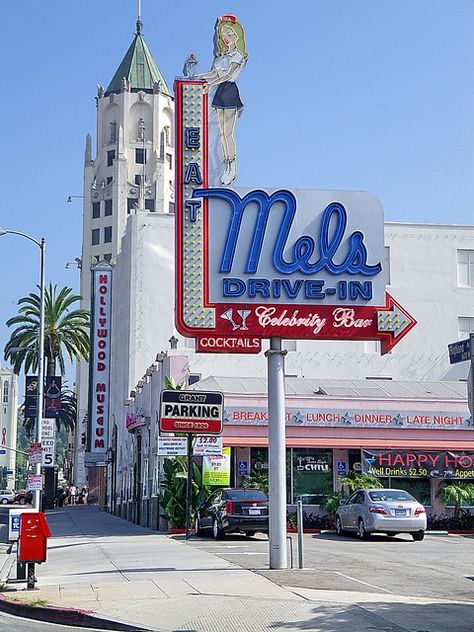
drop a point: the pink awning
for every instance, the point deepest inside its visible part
(345, 443)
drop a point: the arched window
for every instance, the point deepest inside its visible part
(5, 392)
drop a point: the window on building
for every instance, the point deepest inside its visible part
(109, 179)
(5, 392)
(466, 268)
(259, 469)
(387, 264)
(132, 204)
(110, 157)
(108, 207)
(162, 144)
(312, 475)
(465, 327)
(95, 210)
(309, 473)
(138, 179)
(169, 160)
(113, 132)
(107, 234)
(108, 256)
(171, 207)
(372, 346)
(150, 205)
(95, 236)
(419, 488)
(140, 156)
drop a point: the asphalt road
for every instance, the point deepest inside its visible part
(440, 567)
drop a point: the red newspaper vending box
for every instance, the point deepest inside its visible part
(34, 532)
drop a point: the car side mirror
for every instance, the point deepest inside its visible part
(343, 501)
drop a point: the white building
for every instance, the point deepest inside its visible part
(8, 424)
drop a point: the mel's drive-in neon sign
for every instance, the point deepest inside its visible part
(252, 264)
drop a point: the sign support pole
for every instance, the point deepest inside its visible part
(189, 487)
(277, 453)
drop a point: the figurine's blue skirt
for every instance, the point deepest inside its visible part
(227, 96)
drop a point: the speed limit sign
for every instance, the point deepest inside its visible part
(48, 442)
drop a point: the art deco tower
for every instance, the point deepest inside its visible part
(132, 172)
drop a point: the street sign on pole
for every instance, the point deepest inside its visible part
(463, 351)
(191, 411)
(460, 351)
(172, 446)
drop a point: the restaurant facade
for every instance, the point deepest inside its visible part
(410, 435)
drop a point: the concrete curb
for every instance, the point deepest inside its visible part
(66, 616)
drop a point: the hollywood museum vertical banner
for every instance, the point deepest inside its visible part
(100, 361)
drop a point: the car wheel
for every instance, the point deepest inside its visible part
(250, 534)
(339, 529)
(4, 501)
(22, 501)
(361, 532)
(418, 536)
(217, 532)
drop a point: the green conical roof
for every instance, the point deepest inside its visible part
(139, 68)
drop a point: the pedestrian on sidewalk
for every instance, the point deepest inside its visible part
(72, 497)
(83, 496)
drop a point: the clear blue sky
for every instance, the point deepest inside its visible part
(362, 94)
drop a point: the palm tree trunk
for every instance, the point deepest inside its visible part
(50, 367)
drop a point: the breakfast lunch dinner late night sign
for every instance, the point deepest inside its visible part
(258, 263)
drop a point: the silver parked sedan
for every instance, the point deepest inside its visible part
(390, 511)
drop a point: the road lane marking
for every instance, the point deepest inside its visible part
(359, 581)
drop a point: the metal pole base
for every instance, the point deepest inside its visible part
(31, 579)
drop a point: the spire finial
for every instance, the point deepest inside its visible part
(139, 20)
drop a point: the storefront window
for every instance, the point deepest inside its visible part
(309, 473)
(312, 475)
(259, 469)
(419, 488)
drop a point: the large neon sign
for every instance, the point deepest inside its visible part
(253, 264)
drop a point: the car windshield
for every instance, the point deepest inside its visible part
(245, 494)
(390, 494)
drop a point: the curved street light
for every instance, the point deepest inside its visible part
(39, 406)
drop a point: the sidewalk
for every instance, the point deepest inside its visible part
(123, 572)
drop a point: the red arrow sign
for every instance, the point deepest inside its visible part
(388, 323)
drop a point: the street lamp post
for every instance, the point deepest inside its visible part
(39, 407)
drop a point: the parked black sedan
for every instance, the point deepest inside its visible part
(23, 497)
(233, 511)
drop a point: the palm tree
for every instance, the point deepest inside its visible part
(457, 493)
(66, 331)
